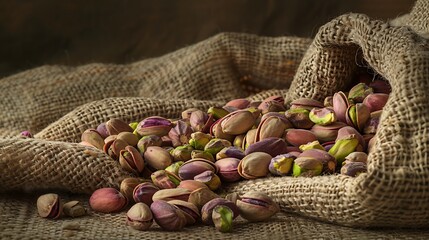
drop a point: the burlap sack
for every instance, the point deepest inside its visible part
(394, 192)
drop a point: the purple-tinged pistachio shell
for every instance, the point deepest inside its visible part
(299, 117)
(166, 141)
(230, 152)
(174, 167)
(217, 112)
(190, 211)
(295, 153)
(180, 134)
(115, 126)
(182, 153)
(272, 104)
(107, 200)
(149, 140)
(199, 140)
(329, 101)
(311, 145)
(238, 122)
(307, 167)
(328, 161)
(194, 167)
(26, 134)
(171, 194)
(347, 132)
(114, 147)
(155, 125)
(202, 154)
(140, 217)
(375, 102)
(201, 121)
(306, 103)
(127, 187)
(340, 105)
(210, 179)
(186, 115)
(157, 157)
(93, 137)
(128, 137)
(353, 169)
(144, 192)
(273, 146)
(168, 216)
(322, 116)
(49, 206)
(257, 206)
(373, 122)
(131, 160)
(359, 92)
(298, 137)
(281, 165)
(240, 103)
(357, 116)
(254, 165)
(249, 139)
(380, 86)
(102, 130)
(356, 157)
(164, 179)
(327, 133)
(228, 169)
(217, 132)
(191, 185)
(215, 145)
(199, 197)
(272, 126)
(207, 209)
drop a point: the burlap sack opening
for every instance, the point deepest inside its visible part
(393, 192)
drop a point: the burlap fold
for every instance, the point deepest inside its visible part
(394, 192)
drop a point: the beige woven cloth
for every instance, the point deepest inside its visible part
(60, 102)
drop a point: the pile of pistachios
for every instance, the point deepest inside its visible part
(180, 164)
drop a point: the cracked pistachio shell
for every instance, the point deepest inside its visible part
(199, 197)
(74, 209)
(322, 116)
(210, 179)
(199, 140)
(217, 112)
(222, 218)
(281, 165)
(217, 132)
(155, 125)
(299, 118)
(272, 126)
(174, 167)
(311, 145)
(131, 160)
(273, 146)
(49, 206)
(180, 134)
(207, 209)
(230, 152)
(149, 140)
(353, 169)
(238, 122)
(228, 169)
(144, 192)
(115, 126)
(140, 217)
(128, 185)
(194, 167)
(186, 115)
(249, 138)
(114, 147)
(182, 153)
(128, 137)
(340, 103)
(215, 145)
(171, 194)
(94, 138)
(202, 154)
(306, 103)
(328, 161)
(157, 157)
(191, 212)
(356, 157)
(164, 179)
(357, 116)
(168, 216)
(272, 104)
(200, 121)
(107, 200)
(343, 147)
(358, 92)
(307, 167)
(257, 206)
(254, 165)
(191, 185)
(327, 133)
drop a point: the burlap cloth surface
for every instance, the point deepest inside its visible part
(59, 103)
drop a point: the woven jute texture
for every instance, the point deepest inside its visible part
(58, 103)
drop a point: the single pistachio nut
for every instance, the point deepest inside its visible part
(127, 187)
(298, 137)
(311, 145)
(272, 126)
(114, 147)
(272, 104)
(217, 132)
(74, 209)
(157, 157)
(102, 130)
(164, 179)
(186, 115)
(115, 126)
(322, 116)
(207, 209)
(238, 122)
(359, 92)
(376, 101)
(194, 167)
(222, 218)
(281, 165)
(353, 169)
(307, 167)
(272, 145)
(306, 103)
(168, 216)
(351, 132)
(93, 137)
(327, 133)
(131, 160)
(343, 147)
(174, 167)
(199, 197)
(240, 103)
(180, 134)
(147, 141)
(340, 103)
(190, 211)
(257, 206)
(299, 118)
(254, 165)
(182, 153)
(217, 112)
(155, 125)
(356, 157)
(228, 169)
(139, 217)
(230, 152)
(357, 116)
(128, 137)
(202, 154)
(328, 161)
(49, 206)
(215, 145)
(172, 194)
(210, 179)
(144, 192)
(200, 121)
(249, 138)
(107, 200)
(199, 140)
(191, 185)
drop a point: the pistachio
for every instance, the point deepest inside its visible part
(158, 126)
(114, 147)
(200, 121)
(272, 104)
(254, 165)
(199, 140)
(131, 160)
(201, 196)
(306, 103)
(186, 115)
(157, 157)
(357, 116)
(327, 133)
(210, 179)
(144, 192)
(281, 165)
(343, 147)
(228, 169)
(328, 161)
(340, 104)
(190, 211)
(140, 217)
(240, 103)
(311, 145)
(182, 153)
(164, 179)
(347, 132)
(26, 134)
(217, 112)
(147, 141)
(191, 185)
(174, 167)
(222, 218)
(299, 118)
(230, 152)
(133, 125)
(172, 194)
(249, 139)
(217, 132)
(128, 137)
(307, 167)
(207, 209)
(202, 154)
(115, 126)
(272, 126)
(102, 130)
(233, 197)
(257, 206)
(353, 169)
(322, 116)
(373, 122)
(358, 92)
(107, 200)
(356, 157)
(74, 209)
(168, 216)
(194, 167)
(127, 187)
(238, 140)
(180, 134)
(273, 146)
(376, 101)
(380, 86)
(215, 145)
(49, 206)
(238, 122)
(94, 138)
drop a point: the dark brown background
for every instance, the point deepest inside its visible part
(33, 33)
